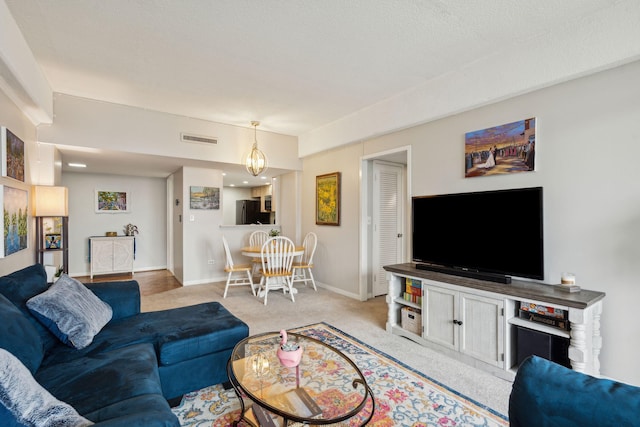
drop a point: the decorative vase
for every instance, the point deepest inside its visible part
(130, 230)
(289, 354)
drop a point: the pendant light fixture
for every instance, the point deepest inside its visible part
(256, 161)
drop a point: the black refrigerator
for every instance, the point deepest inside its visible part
(248, 212)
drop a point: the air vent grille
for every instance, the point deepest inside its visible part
(188, 137)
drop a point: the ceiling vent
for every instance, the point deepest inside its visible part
(189, 137)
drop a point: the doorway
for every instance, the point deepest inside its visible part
(387, 228)
(385, 190)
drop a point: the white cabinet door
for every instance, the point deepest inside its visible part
(482, 328)
(123, 255)
(101, 256)
(441, 311)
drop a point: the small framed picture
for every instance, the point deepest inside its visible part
(112, 201)
(12, 150)
(53, 241)
(204, 197)
(328, 199)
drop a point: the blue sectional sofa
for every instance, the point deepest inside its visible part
(546, 394)
(130, 368)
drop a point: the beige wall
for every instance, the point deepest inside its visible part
(587, 159)
(336, 257)
(287, 202)
(201, 233)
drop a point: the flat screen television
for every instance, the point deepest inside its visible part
(491, 235)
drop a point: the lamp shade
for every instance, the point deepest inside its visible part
(50, 201)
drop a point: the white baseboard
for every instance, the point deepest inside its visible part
(135, 270)
(222, 279)
(338, 290)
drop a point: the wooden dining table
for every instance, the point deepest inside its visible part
(256, 252)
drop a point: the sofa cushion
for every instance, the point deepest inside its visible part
(179, 334)
(123, 296)
(547, 394)
(144, 411)
(20, 286)
(97, 381)
(191, 336)
(71, 311)
(19, 336)
(24, 402)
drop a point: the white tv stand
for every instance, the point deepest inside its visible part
(475, 321)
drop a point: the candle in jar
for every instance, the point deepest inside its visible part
(568, 279)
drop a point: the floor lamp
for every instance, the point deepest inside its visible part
(51, 202)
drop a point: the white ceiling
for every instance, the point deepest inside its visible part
(295, 65)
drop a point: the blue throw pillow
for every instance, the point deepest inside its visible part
(19, 336)
(23, 284)
(71, 311)
(25, 402)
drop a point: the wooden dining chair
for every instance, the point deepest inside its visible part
(238, 274)
(301, 268)
(257, 239)
(277, 259)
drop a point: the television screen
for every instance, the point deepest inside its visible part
(498, 232)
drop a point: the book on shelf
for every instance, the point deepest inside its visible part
(412, 298)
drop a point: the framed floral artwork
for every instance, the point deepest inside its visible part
(328, 199)
(15, 225)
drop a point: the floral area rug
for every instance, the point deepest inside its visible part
(403, 396)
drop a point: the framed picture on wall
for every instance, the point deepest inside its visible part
(112, 201)
(499, 150)
(15, 225)
(12, 155)
(328, 199)
(204, 197)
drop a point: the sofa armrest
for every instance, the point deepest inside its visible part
(123, 297)
(547, 394)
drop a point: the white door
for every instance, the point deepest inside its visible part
(387, 225)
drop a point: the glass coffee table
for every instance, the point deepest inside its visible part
(325, 388)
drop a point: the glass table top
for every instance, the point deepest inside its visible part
(325, 387)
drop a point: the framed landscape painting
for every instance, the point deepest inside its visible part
(328, 199)
(12, 155)
(112, 201)
(504, 149)
(204, 197)
(15, 225)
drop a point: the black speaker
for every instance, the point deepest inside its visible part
(547, 346)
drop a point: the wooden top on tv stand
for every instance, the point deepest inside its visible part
(518, 289)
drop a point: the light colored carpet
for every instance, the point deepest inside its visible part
(364, 320)
(403, 397)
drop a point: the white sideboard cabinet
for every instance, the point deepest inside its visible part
(476, 321)
(110, 255)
